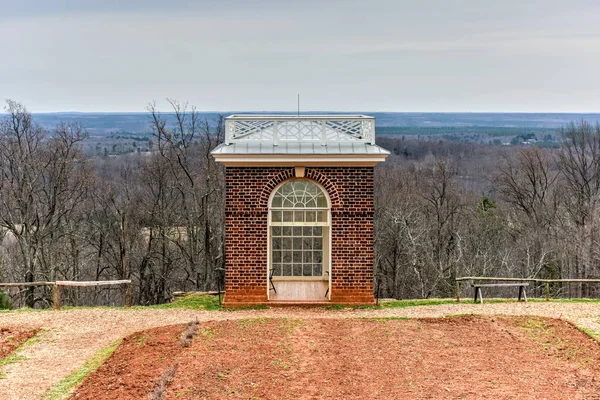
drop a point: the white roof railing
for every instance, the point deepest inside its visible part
(303, 128)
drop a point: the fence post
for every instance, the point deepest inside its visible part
(56, 296)
(457, 291)
(547, 291)
(128, 300)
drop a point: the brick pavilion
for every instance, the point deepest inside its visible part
(299, 208)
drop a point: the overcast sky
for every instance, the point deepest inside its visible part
(376, 55)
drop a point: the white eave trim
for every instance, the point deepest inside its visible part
(295, 160)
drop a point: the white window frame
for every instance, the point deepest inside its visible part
(326, 259)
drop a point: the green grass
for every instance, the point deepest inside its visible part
(16, 355)
(211, 303)
(566, 300)
(24, 309)
(591, 333)
(4, 302)
(190, 302)
(65, 387)
(12, 358)
(200, 302)
(342, 307)
(414, 303)
(257, 307)
(436, 302)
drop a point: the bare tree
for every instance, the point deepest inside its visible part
(579, 163)
(43, 182)
(184, 147)
(526, 181)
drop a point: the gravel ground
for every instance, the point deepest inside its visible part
(72, 336)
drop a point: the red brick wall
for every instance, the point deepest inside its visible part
(246, 210)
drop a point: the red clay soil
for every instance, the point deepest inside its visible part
(451, 358)
(133, 369)
(11, 338)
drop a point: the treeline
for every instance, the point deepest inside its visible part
(156, 218)
(443, 209)
(448, 213)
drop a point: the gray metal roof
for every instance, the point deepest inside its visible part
(300, 148)
(300, 135)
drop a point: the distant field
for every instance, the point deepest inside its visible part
(122, 133)
(107, 123)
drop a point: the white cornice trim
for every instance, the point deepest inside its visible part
(295, 160)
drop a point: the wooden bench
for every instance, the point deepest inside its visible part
(521, 286)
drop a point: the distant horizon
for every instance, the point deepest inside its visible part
(167, 111)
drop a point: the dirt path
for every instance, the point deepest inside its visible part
(71, 337)
(11, 338)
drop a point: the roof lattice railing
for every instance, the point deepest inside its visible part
(304, 128)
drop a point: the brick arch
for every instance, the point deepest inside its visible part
(272, 184)
(327, 184)
(310, 174)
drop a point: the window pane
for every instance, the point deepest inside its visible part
(307, 257)
(288, 216)
(298, 216)
(287, 243)
(276, 269)
(321, 216)
(318, 231)
(321, 201)
(276, 257)
(287, 230)
(288, 203)
(317, 270)
(297, 243)
(276, 231)
(298, 256)
(287, 270)
(318, 244)
(317, 257)
(306, 243)
(311, 216)
(307, 230)
(276, 216)
(287, 257)
(277, 201)
(297, 270)
(307, 270)
(286, 189)
(276, 243)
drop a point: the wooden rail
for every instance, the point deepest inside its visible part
(56, 288)
(26, 284)
(547, 282)
(91, 283)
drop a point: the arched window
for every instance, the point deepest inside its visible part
(299, 231)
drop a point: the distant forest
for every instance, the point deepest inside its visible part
(69, 210)
(112, 134)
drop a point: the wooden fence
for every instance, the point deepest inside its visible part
(547, 282)
(56, 288)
